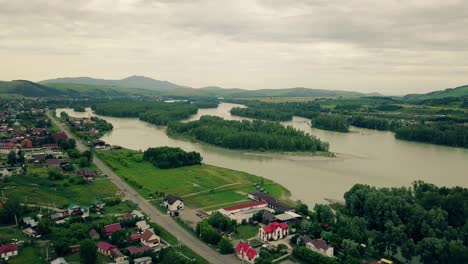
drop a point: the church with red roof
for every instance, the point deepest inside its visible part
(274, 231)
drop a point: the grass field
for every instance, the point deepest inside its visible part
(39, 189)
(200, 186)
(247, 231)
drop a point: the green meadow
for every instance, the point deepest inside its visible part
(201, 186)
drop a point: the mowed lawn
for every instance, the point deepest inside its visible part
(200, 186)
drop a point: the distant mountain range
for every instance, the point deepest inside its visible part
(168, 88)
(140, 85)
(129, 82)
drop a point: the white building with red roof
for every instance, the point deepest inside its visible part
(274, 231)
(105, 248)
(246, 253)
(243, 212)
(9, 250)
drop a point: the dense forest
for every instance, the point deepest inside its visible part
(157, 113)
(374, 123)
(167, 157)
(255, 135)
(331, 122)
(442, 134)
(276, 111)
(423, 222)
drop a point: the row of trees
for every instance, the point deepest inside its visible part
(256, 135)
(331, 122)
(168, 157)
(157, 113)
(374, 123)
(454, 135)
(277, 111)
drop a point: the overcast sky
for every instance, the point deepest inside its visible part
(389, 46)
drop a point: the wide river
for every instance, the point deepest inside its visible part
(364, 156)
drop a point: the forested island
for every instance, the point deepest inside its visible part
(441, 134)
(276, 111)
(255, 135)
(157, 113)
(331, 122)
(168, 157)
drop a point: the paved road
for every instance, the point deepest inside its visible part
(155, 215)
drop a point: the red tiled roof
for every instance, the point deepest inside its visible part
(242, 247)
(147, 235)
(135, 237)
(58, 136)
(273, 226)
(242, 206)
(104, 246)
(248, 251)
(8, 248)
(112, 228)
(138, 250)
(52, 161)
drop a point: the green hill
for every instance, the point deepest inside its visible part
(28, 89)
(461, 91)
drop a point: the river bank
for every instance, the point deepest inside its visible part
(364, 156)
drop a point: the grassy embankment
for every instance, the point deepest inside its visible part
(193, 183)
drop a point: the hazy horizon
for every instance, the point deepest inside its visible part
(390, 47)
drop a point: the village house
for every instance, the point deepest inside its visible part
(318, 245)
(93, 234)
(246, 253)
(243, 212)
(29, 221)
(52, 163)
(138, 250)
(173, 204)
(31, 232)
(59, 136)
(137, 214)
(274, 231)
(9, 250)
(105, 248)
(112, 228)
(117, 255)
(142, 226)
(87, 174)
(143, 260)
(150, 239)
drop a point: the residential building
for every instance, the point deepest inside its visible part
(117, 255)
(93, 234)
(9, 250)
(141, 226)
(143, 260)
(105, 248)
(150, 239)
(173, 204)
(318, 245)
(52, 163)
(246, 253)
(112, 228)
(274, 231)
(59, 261)
(138, 250)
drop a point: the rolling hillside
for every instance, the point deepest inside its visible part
(460, 91)
(28, 89)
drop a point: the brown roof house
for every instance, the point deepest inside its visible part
(318, 245)
(150, 239)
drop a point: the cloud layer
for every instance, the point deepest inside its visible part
(387, 46)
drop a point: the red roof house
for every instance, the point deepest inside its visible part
(112, 228)
(245, 252)
(135, 237)
(105, 248)
(8, 250)
(245, 206)
(274, 231)
(138, 250)
(58, 136)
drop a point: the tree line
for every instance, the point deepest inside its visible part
(157, 113)
(333, 122)
(255, 135)
(454, 135)
(168, 157)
